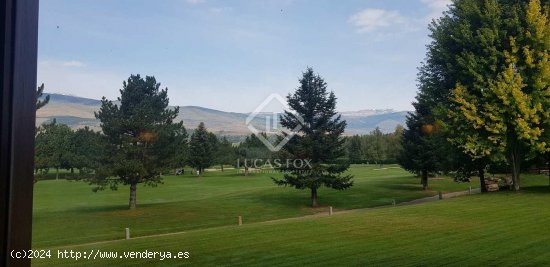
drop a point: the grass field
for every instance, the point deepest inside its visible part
(492, 229)
(68, 212)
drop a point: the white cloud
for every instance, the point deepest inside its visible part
(73, 63)
(371, 19)
(219, 10)
(436, 7)
(194, 2)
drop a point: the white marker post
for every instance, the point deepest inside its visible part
(240, 220)
(127, 233)
(330, 211)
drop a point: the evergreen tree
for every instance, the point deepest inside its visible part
(41, 102)
(202, 148)
(420, 154)
(179, 141)
(378, 146)
(137, 130)
(355, 153)
(319, 142)
(225, 154)
(393, 144)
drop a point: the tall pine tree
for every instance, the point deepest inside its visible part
(355, 153)
(137, 130)
(202, 148)
(319, 141)
(421, 144)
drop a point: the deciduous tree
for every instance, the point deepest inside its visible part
(53, 147)
(509, 116)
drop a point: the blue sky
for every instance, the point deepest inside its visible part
(231, 55)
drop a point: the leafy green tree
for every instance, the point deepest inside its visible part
(250, 149)
(507, 117)
(469, 48)
(450, 57)
(138, 130)
(87, 148)
(319, 143)
(379, 147)
(202, 148)
(53, 148)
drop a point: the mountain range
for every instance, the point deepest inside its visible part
(78, 112)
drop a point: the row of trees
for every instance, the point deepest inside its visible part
(59, 147)
(140, 140)
(484, 95)
(376, 147)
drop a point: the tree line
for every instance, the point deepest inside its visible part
(375, 147)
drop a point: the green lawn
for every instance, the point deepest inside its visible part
(68, 212)
(504, 229)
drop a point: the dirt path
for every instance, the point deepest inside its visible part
(317, 215)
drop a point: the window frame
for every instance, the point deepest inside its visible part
(19, 31)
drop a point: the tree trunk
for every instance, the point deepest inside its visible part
(221, 166)
(424, 180)
(133, 190)
(516, 182)
(57, 173)
(314, 197)
(548, 164)
(481, 172)
(515, 162)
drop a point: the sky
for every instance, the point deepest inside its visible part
(230, 55)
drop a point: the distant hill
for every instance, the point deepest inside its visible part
(78, 112)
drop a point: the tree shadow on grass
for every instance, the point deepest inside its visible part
(536, 189)
(403, 188)
(110, 208)
(297, 199)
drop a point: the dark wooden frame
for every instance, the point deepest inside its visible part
(18, 53)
